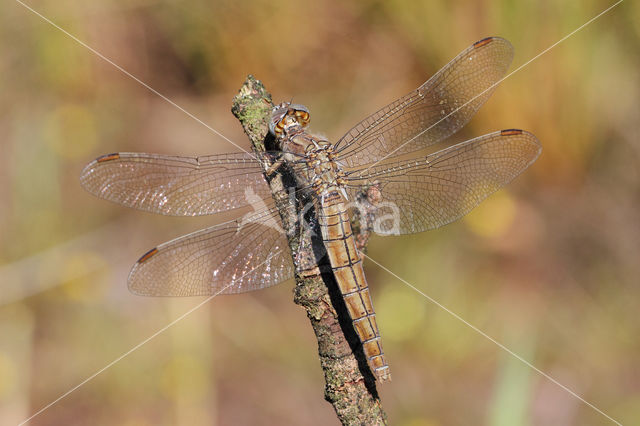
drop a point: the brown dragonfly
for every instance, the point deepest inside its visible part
(424, 192)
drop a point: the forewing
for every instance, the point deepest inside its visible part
(233, 257)
(432, 191)
(178, 186)
(434, 111)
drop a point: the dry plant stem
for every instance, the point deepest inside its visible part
(350, 387)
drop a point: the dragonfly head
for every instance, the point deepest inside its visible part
(287, 115)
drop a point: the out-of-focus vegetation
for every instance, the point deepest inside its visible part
(549, 267)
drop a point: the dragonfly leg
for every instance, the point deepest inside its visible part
(274, 167)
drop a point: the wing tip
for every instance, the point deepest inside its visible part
(494, 40)
(483, 42)
(491, 39)
(147, 255)
(529, 137)
(511, 132)
(516, 132)
(88, 169)
(131, 281)
(108, 157)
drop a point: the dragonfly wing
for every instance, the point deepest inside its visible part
(234, 257)
(434, 190)
(178, 186)
(434, 111)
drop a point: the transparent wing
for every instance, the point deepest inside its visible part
(431, 191)
(179, 186)
(434, 111)
(234, 257)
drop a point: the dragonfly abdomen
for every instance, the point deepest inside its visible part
(347, 269)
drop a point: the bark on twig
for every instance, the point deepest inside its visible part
(350, 386)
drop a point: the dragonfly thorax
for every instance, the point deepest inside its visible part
(323, 172)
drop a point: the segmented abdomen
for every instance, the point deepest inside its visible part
(347, 268)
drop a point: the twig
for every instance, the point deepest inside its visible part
(350, 386)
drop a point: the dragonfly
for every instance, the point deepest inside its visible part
(404, 195)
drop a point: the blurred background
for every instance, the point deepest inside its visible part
(549, 266)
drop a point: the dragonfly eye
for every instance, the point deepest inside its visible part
(302, 117)
(287, 114)
(279, 112)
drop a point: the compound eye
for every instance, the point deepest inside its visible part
(302, 117)
(278, 113)
(298, 113)
(301, 113)
(276, 127)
